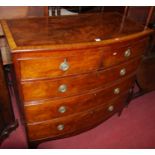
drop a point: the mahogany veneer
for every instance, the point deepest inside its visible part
(75, 103)
(75, 122)
(73, 72)
(36, 90)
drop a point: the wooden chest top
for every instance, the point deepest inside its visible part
(69, 31)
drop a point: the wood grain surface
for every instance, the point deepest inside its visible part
(70, 31)
(78, 84)
(74, 123)
(49, 109)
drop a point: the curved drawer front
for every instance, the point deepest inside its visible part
(73, 85)
(75, 62)
(118, 55)
(75, 123)
(46, 110)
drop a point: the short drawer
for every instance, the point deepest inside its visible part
(46, 110)
(63, 63)
(76, 123)
(118, 55)
(74, 85)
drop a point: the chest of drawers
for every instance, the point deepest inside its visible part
(73, 72)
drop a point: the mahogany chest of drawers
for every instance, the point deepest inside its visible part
(73, 72)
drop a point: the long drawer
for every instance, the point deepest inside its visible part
(74, 85)
(50, 64)
(48, 109)
(74, 123)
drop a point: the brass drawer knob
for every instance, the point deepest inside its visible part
(60, 127)
(62, 109)
(111, 108)
(116, 91)
(64, 66)
(62, 88)
(127, 53)
(123, 72)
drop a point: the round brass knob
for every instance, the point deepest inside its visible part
(116, 91)
(127, 53)
(123, 72)
(62, 109)
(111, 108)
(60, 127)
(64, 66)
(62, 88)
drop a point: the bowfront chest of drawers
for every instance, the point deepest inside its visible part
(73, 72)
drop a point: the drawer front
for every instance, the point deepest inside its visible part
(74, 85)
(46, 110)
(74, 123)
(56, 66)
(118, 55)
(75, 62)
